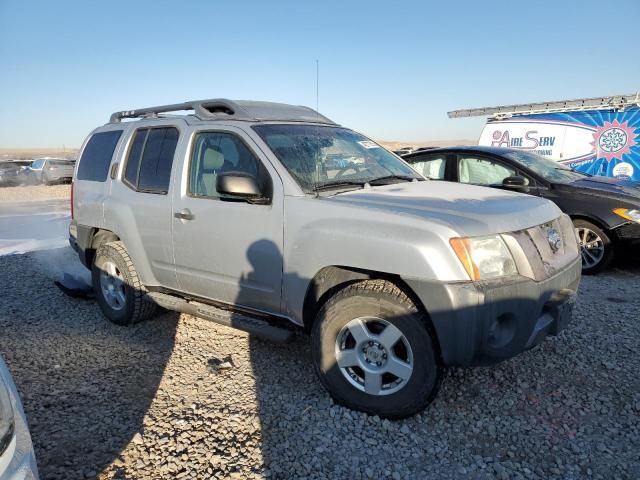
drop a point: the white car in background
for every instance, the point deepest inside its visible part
(17, 458)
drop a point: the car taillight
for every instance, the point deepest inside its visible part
(71, 200)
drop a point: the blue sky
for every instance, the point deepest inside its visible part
(389, 69)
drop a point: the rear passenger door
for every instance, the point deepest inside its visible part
(138, 209)
(432, 166)
(482, 170)
(227, 249)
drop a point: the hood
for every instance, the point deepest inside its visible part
(607, 186)
(469, 210)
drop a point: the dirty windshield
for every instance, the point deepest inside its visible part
(322, 158)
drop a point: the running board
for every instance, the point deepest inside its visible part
(254, 326)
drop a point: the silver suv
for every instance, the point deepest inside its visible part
(265, 217)
(51, 170)
(17, 457)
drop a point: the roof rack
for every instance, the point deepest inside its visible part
(222, 108)
(617, 102)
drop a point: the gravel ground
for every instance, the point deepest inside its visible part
(35, 192)
(182, 398)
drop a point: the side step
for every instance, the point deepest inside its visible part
(252, 325)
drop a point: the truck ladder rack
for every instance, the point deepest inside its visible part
(616, 102)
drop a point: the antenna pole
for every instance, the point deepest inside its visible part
(317, 85)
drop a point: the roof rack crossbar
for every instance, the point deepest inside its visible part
(618, 102)
(202, 108)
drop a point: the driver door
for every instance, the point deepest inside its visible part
(226, 249)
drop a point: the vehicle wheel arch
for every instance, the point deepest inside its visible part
(97, 237)
(329, 280)
(597, 222)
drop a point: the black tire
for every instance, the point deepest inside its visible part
(607, 245)
(384, 300)
(136, 306)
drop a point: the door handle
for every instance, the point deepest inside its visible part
(184, 214)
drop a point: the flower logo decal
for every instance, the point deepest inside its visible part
(613, 140)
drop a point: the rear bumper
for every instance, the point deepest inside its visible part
(486, 322)
(73, 236)
(80, 241)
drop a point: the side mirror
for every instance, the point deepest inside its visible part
(517, 184)
(240, 186)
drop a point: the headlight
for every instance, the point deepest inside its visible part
(484, 257)
(6, 417)
(628, 214)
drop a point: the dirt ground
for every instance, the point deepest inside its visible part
(34, 192)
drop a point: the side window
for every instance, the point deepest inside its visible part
(482, 171)
(133, 159)
(431, 167)
(150, 159)
(216, 152)
(96, 157)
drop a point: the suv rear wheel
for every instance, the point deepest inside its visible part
(118, 289)
(373, 352)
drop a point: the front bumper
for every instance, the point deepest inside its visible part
(628, 233)
(479, 323)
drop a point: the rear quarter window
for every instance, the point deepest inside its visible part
(96, 157)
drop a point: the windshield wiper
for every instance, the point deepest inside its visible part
(338, 184)
(406, 178)
(360, 183)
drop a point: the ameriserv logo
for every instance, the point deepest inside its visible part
(529, 141)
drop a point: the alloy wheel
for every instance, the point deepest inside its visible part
(374, 355)
(591, 247)
(112, 286)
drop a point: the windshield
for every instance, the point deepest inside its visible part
(547, 169)
(320, 157)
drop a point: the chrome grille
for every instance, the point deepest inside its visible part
(538, 251)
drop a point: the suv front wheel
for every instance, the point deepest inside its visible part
(118, 289)
(373, 352)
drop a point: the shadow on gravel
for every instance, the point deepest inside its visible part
(555, 411)
(567, 409)
(86, 384)
(627, 260)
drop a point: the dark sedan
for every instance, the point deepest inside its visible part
(605, 211)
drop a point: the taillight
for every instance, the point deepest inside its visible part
(72, 200)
